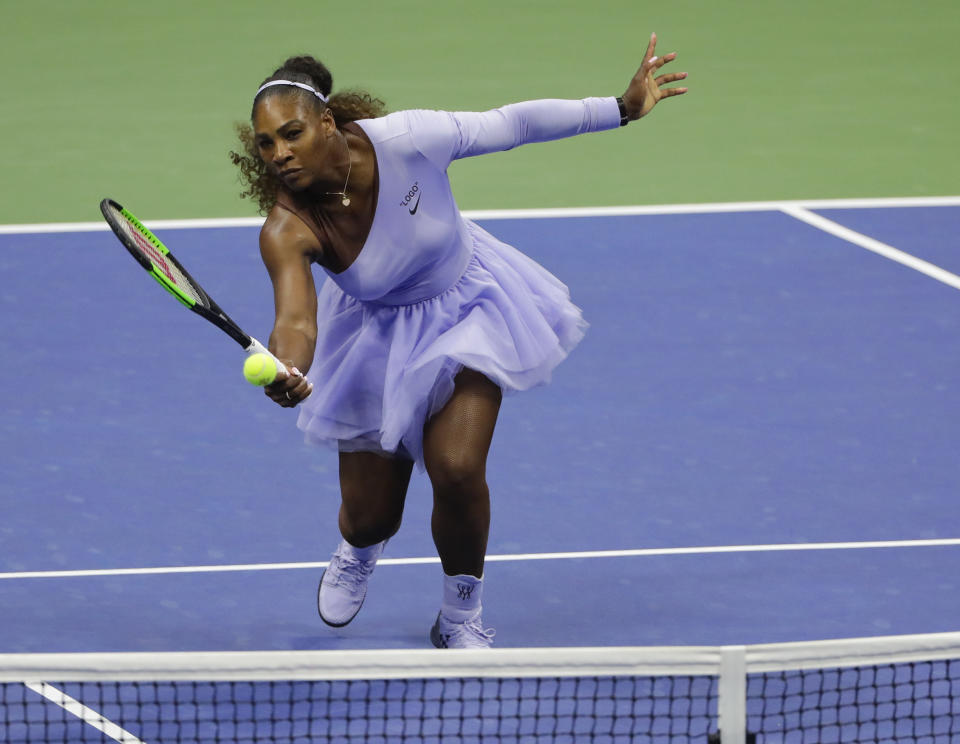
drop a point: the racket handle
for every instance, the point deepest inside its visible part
(256, 347)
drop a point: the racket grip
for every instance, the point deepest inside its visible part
(256, 347)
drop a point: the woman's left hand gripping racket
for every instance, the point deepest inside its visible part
(154, 256)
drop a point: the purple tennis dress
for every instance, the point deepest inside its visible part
(431, 292)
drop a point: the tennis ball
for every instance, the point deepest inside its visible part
(259, 369)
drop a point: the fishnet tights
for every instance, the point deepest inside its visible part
(455, 445)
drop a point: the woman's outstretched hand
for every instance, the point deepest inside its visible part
(645, 90)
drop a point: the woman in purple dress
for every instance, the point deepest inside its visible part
(425, 318)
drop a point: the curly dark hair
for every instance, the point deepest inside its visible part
(346, 106)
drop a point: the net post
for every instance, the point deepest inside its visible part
(732, 695)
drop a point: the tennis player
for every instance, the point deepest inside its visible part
(425, 320)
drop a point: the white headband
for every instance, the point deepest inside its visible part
(304, 86)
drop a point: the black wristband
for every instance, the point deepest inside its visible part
(624, 120)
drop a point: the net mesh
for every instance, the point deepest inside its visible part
(915, 702)
(898, 689)
(587, 709)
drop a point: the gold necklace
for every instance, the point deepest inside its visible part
(345, 201)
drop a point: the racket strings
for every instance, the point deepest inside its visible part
(161, 262)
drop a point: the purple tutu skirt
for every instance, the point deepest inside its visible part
(380, 371)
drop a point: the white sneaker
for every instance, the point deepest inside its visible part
(343, 586)
(470, 634)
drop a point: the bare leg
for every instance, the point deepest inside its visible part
(455, 446)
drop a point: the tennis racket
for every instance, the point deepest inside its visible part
(156, 258)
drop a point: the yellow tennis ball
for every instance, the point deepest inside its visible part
(259, 369)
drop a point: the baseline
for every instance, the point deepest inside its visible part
(575, 555)
(545, 213)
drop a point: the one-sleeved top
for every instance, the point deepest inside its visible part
(431, 292)
(419, 237)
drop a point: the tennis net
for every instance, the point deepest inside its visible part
(879, 689)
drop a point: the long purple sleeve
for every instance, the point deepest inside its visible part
(446, 136)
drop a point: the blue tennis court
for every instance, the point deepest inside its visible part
(754, 443)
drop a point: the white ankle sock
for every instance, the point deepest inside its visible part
(364, 554)
(461, 597)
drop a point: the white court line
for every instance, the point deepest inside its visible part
(577, 555)
(551, 213)
(887, 251)
(81, 711)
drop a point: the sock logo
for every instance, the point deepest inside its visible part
(464, 591)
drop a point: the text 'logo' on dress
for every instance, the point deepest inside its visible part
(413, 192)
